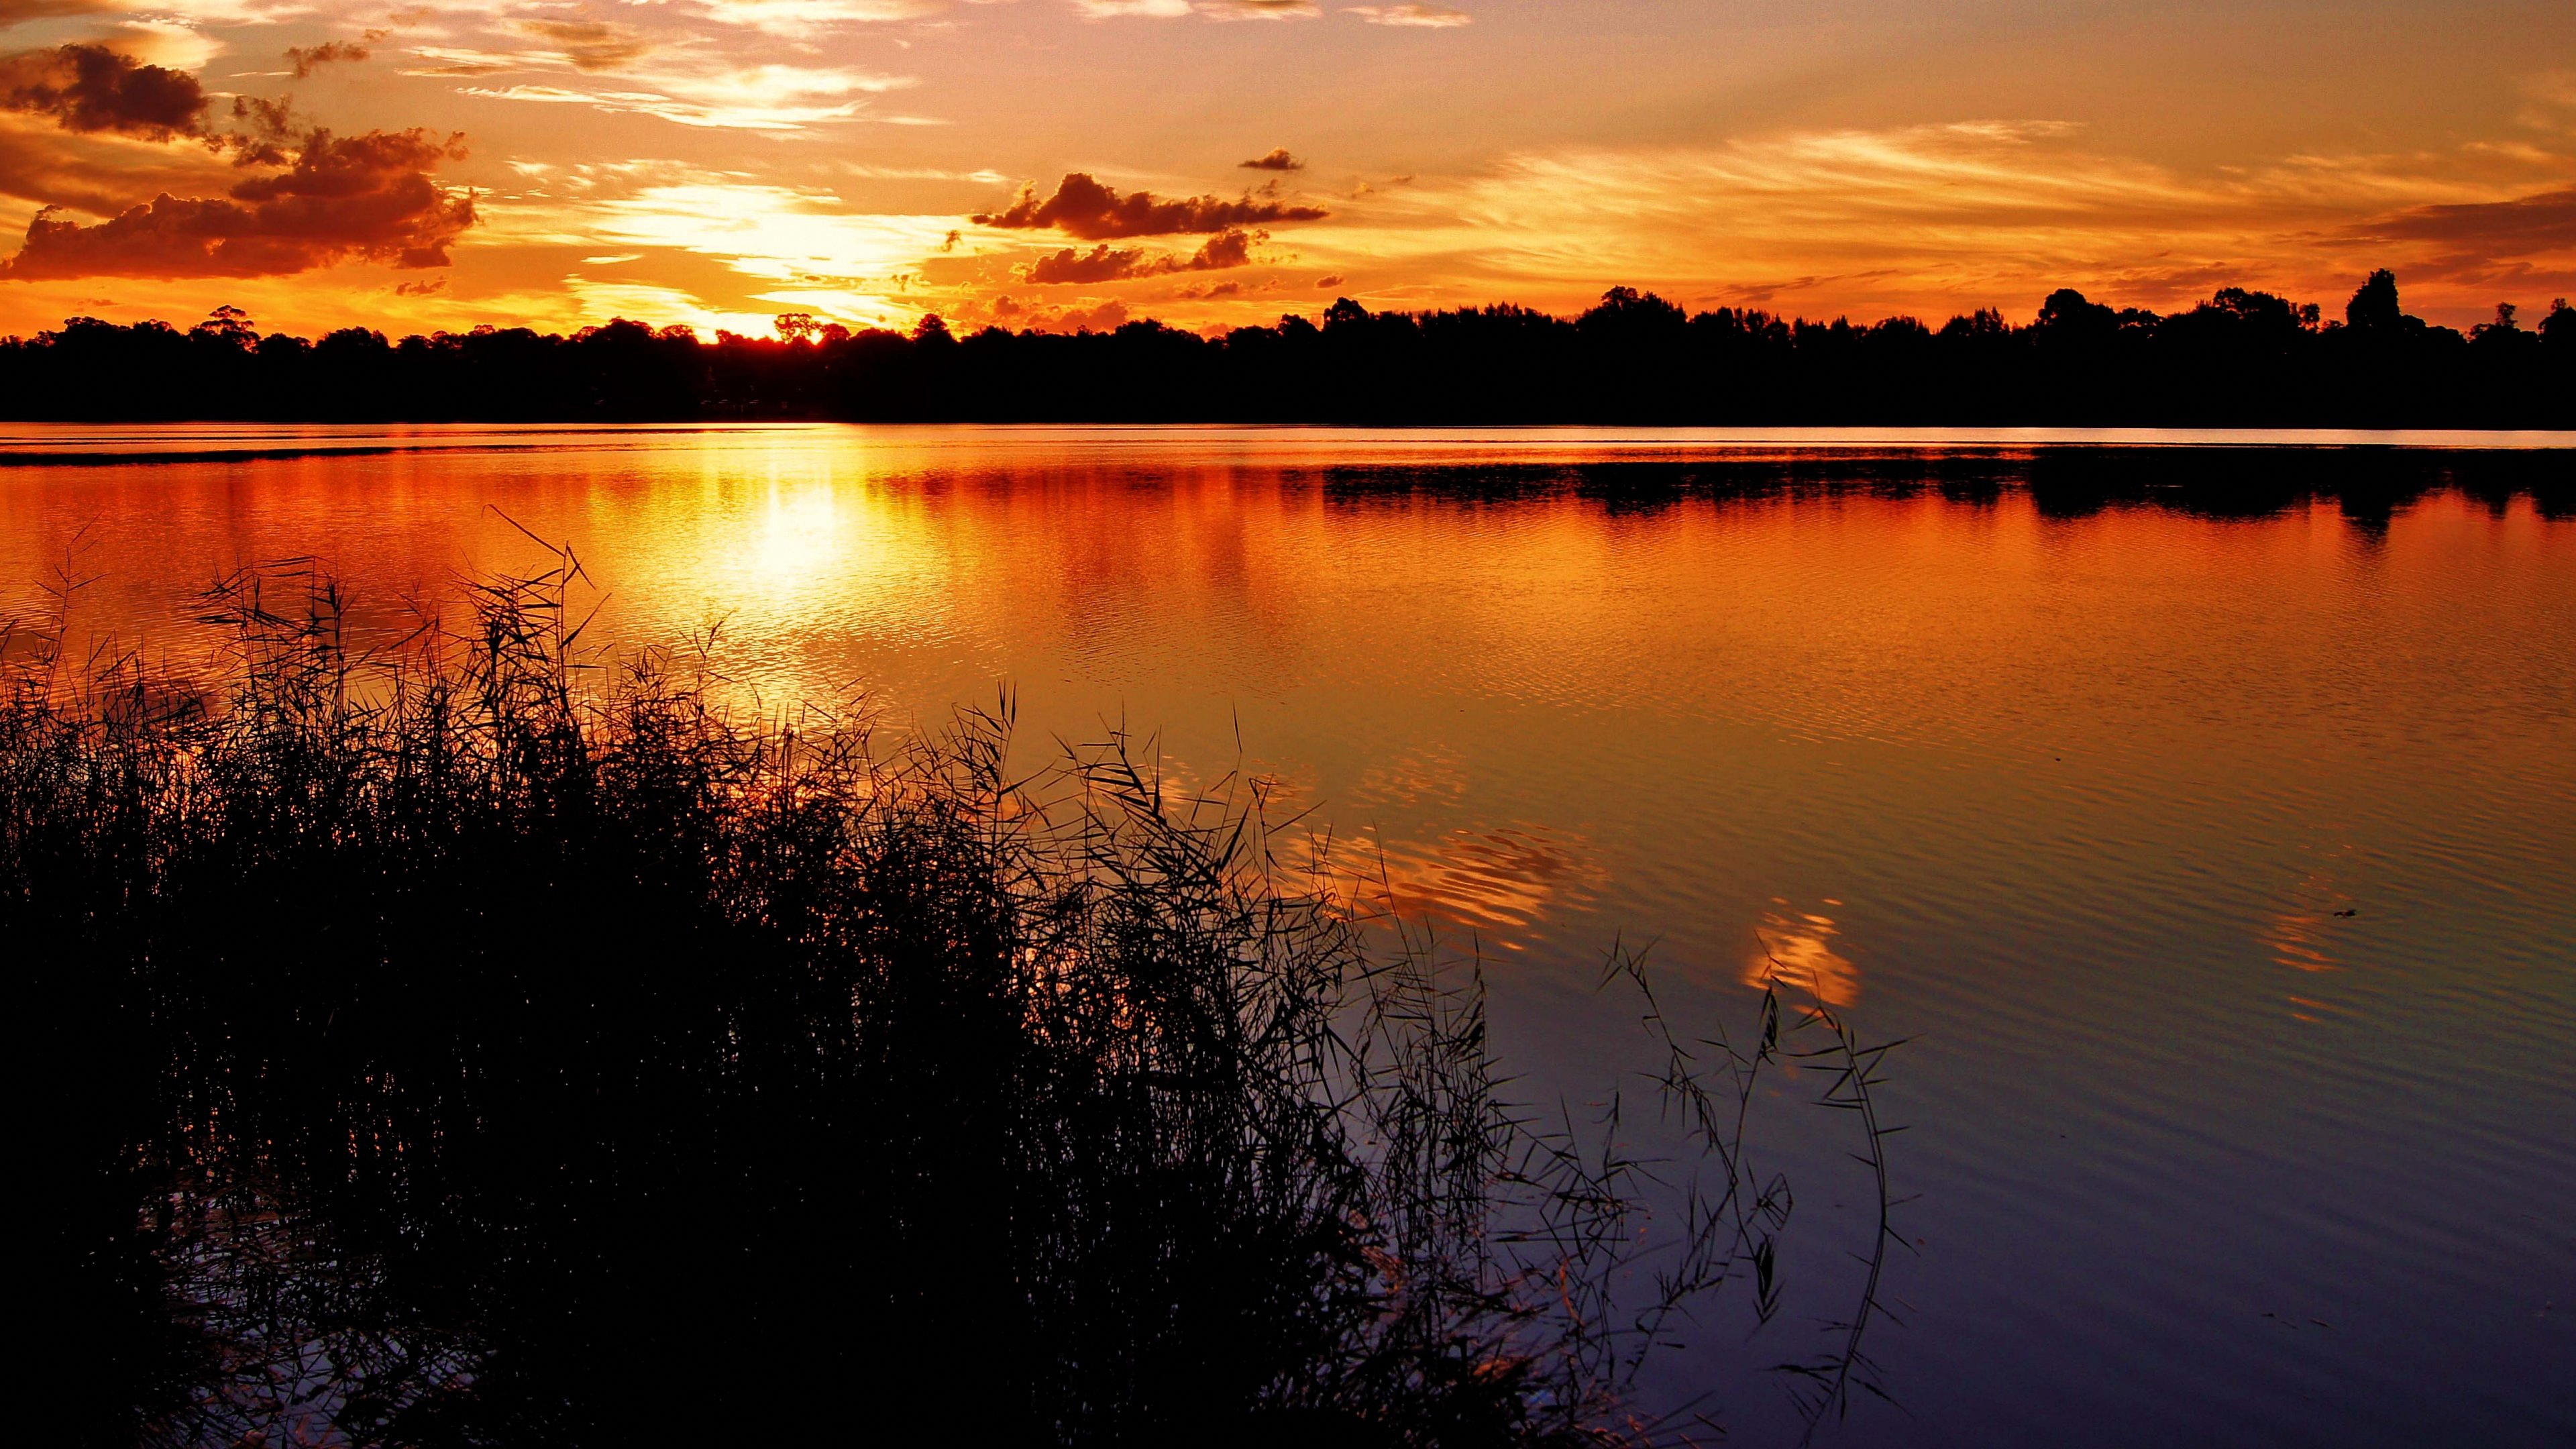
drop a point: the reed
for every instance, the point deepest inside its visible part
(467, 1039)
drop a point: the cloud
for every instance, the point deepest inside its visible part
(753, 98)
(1105, 263)
(227, 12)
(1108, 316)
(1276, 159)
(2524, 241)
(1334, 280)
(103, 173)
(159, 41)
(309, 58)
(800, 18)
(1082, 207)
(589, 46)
(1260, 9)
(1419, 17)
(359, 198)
(1151, 9)
(2524, 226)
(92, 88)
(452, 61)
(1223, 250)
(1100, 264)
(2552, 97)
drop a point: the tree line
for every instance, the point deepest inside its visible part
(2241, 357)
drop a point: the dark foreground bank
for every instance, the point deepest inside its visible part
(2241, 358)
(443, 1043)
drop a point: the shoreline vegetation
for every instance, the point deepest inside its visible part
(2240, 358)
(465, 1037)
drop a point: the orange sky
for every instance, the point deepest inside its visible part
(715, 162)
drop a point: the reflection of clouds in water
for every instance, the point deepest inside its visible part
(1795, 947)
(1498, 881)
(2307, 1008)
(2298, 937)
(2297, 940)
(1283, 794)
(1427, 773)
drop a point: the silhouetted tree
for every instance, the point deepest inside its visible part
(2558, 329)
(2375, 304)
(2067, 317)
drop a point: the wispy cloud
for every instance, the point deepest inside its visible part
(1260, 9)
(1927, 217)
(1117, 9)
(760, 98)
(1419, 17)
(805, 18)
(589, 45)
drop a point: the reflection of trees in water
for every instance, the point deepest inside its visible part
(450, 1049)
(2368, 484)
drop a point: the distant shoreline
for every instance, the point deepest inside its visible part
(2239, 359)
(1594, 446)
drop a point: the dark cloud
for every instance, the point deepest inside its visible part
(264, 134)
(1109, 316)
(309, 58)
(426, 287)
(1084, 208)
(1105, 263)
(1277, 159)
(345, 199)
(92, 88)
(1100, 264)
(591, 45)
(1225, 249)
(464, 68)
(1334, 280)
(41, 166)
(2543, 222)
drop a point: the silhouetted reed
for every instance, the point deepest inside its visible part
(460, 1039)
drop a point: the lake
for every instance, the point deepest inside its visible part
(2204, 816)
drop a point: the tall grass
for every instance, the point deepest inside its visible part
(463, 1040)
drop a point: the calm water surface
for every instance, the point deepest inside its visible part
(2223, 868)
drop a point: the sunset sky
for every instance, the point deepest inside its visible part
(1220, 162)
